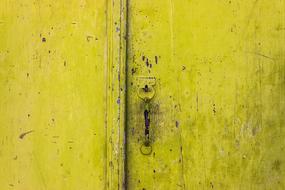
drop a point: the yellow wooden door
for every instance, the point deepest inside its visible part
(141, 94)
(216, 119)
(58, 89)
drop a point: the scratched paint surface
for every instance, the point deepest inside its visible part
(217, 118)
(52, 89)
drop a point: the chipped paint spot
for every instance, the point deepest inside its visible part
(25, 133)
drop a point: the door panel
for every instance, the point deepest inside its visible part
(52, 109)
(215, 70)
(217, 116)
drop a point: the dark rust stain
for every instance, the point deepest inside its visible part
(176, 124)
(25, 133)
(44, 39)
(134, 71)
(156, 59)
(147, 62)
(214, 108)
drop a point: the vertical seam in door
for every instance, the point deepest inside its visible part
(126, 93)
(115, 92)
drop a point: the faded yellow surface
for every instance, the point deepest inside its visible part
(52, 57)
(71, 117)
(217, 118)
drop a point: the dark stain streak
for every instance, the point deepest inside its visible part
(25, 133)
(147, 62)
(197, 103)
(214, 109)
(262, 55)
(156, 59)
(143, 57)
(212, 185)
(176, 124)
(133, 71)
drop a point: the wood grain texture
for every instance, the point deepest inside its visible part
(59, 88)
(218, 111)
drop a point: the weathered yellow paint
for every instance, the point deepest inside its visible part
(217, 118)
(59, 65)
(69, 78)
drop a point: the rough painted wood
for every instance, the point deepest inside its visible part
(218, 112)
(59, 88)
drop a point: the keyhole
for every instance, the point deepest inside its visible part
(146, 89)
(147, 124)
(146, 147)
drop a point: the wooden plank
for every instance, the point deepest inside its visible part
(218, 112)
